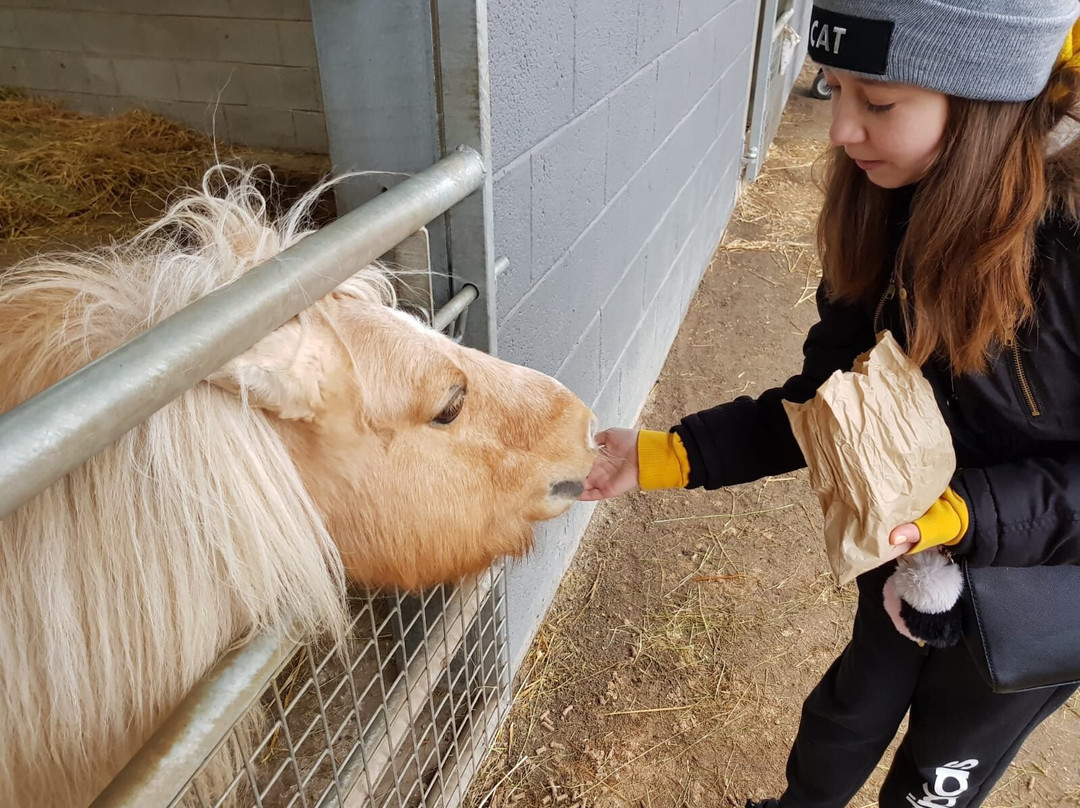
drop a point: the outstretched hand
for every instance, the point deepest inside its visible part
(615, 471)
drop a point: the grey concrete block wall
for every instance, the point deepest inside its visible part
(245, 70)
(617, 133)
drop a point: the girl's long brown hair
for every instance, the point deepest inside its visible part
(970, 242)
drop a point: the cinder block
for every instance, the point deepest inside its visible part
(248, 41)
(568, 185)
(693, 14)
(531, 58)
(731, 135)
(622, 312)
(545, 325)
(631, 129)
(669, 303)
(12, 67)
(180, 8)
(673, 88)
(281, 87)
(605, 50)
(533, 581)
(581, 370)
(298, 44)
(641, 215)
(206, 118)
(606, 406)
(181, 38)
(639, 361)
(9, 32)
(46, 29)
(85, 74)
(271, 9)
(658, 23)
(660, 250)
(37, 69)
(605, 249)
(261, 126)
(704, 72)
(311, 133)
(116, 35)
(736, 30)
(147, 78)
(735, 83)
(212, 82)
(512, 211)
(670, 166)
(116, 6)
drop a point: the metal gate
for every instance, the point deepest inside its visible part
(399, 715)
(780, 55)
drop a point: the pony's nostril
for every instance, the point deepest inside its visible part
(568, 489)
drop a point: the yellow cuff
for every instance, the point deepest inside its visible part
(662, 461)
(945, 523)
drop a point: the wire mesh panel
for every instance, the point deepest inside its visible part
(398, 715)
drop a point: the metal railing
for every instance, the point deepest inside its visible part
(400, 716)
(402, 713)
(56, 431)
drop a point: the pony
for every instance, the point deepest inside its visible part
(352, 443)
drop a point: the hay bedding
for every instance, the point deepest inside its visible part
(62, 172)
(61, 169)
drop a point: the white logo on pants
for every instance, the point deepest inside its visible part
(950, 782)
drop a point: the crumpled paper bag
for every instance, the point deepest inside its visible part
(878, 451)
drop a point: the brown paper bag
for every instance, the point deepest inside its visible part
(879, 454)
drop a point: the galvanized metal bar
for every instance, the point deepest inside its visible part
(195, 729)
(53, 433)
(756, 144)
(455, 307)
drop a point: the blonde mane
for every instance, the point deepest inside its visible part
(185, 537)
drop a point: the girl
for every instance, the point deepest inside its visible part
(952, 219)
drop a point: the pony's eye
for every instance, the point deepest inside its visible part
(452, 410)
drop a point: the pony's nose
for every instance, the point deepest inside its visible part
(567, 489)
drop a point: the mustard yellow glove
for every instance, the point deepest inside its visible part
(944, 524)
(662, 461)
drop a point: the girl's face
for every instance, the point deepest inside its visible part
(892, 131)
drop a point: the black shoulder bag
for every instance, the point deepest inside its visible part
(1022, 625)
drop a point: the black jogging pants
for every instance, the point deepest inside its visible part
(961, 736)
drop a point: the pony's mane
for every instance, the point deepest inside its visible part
(97, 573)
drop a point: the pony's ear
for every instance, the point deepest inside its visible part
(281, 373)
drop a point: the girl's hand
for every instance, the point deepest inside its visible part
(615, 471)
(903, 538)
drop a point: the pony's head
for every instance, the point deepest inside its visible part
(427, 460)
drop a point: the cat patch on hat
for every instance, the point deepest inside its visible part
(850, 43)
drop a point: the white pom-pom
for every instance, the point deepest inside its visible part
(928, 581)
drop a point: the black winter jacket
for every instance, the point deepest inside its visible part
(1015, 428)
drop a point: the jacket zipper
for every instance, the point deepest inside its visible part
(888, 294)
(1021, 377)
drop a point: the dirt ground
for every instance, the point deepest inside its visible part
(671, 668)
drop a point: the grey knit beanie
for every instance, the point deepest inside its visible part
(990, 50)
